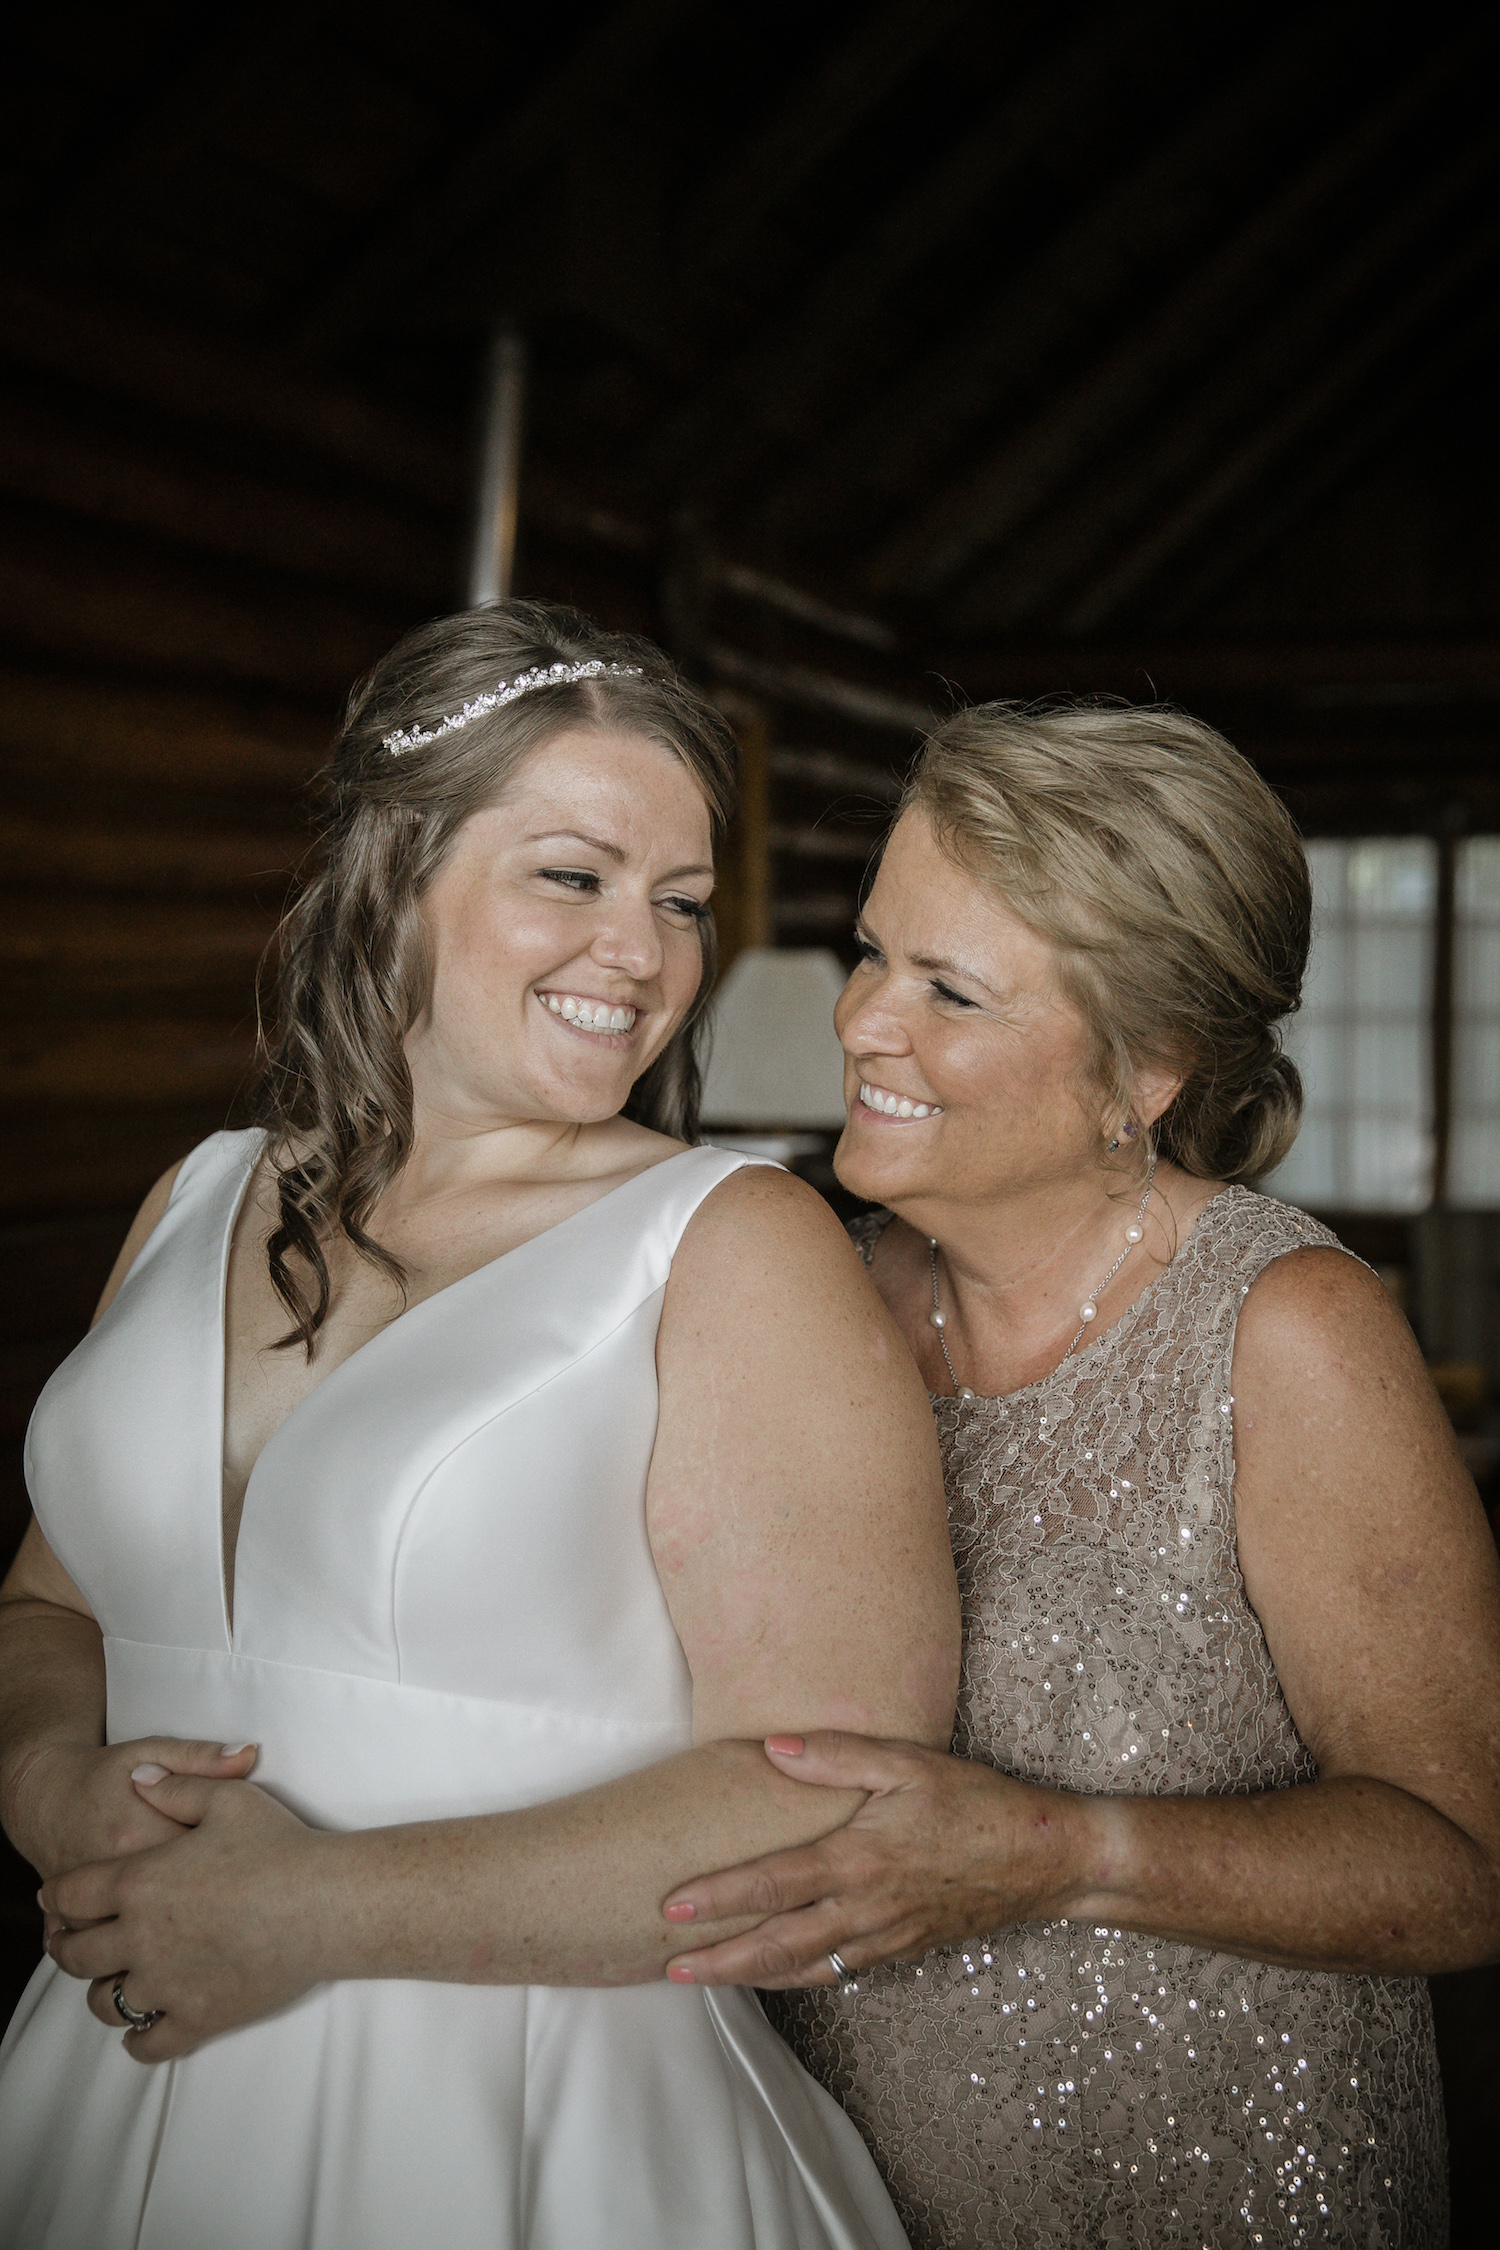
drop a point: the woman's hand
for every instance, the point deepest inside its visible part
(71, 1803)
(209, 1927)
(942, 1850)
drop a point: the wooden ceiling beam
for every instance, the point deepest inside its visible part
(217, 58)
(399, 252)
(1312, 670)
(736, 420)
(1144, 220)
(818, 114)
(1339, 381)
(1223, 561)
(1001, 492)
(1254, 380)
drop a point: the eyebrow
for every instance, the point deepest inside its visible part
(612, 851)
(937, 961)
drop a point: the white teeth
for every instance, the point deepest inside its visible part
(896, 1105)
(590, 1015)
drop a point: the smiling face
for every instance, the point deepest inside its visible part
(564, 932)
(965, 1064)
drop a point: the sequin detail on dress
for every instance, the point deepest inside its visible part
(1065, 2087)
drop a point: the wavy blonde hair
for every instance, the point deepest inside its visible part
(354, 972)
(1173, 884)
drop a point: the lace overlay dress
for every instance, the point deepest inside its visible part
(1060, 2084)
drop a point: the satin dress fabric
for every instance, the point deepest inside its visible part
(445, 1604)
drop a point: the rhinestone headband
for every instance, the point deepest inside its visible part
(545, 675)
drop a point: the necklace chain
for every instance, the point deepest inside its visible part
(1089, 1309)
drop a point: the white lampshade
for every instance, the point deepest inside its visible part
(775, 1059)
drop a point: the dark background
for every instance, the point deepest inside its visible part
(877, 355)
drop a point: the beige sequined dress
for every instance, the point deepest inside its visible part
(1059, 2084)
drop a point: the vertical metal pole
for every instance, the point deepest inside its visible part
(494, 551)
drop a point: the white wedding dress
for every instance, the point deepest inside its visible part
(445, 1603)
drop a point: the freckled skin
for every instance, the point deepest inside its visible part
(794, 1455)
(1362, 1544)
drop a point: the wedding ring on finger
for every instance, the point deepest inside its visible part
(848, 1982)
(139, 2019)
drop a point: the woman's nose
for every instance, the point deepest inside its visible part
(628, 939)
(867, 1022)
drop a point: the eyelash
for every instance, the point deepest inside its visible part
(869, 952)
(581, 880)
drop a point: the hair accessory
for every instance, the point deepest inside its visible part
(545, 675)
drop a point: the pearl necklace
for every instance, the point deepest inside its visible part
(1087, 1311)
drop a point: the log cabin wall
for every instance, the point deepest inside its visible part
(192, 575)
(879, 356)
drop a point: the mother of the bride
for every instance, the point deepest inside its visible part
(1230, 1716)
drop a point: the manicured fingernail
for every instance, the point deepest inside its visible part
(788, 1745)
(233, 1749)
(148, 1773)
(680, 1973)
(683, 1911)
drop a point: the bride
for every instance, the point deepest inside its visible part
(489, 1470)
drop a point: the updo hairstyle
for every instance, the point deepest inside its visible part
(1175, 887)
(354, 972)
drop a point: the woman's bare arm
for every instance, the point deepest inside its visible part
(1368, 1560)
(796, 1513)
(64, 1797)
(1370, 1565)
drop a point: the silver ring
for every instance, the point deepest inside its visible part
(848, 1982)
(139, 2019)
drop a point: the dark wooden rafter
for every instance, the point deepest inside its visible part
(1231, 548)
(1339, 382)
(1254, 380)
(808, 125)
(734, 422)
(1157, 211)
(1019, 477)
(228, 57)
(397, 252)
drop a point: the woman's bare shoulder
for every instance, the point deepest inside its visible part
(765, 1260)
(766, 1217)
(1331, 1396)
(1317, 1315)
(142, 1227)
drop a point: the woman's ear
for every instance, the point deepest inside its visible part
(1156, 1087)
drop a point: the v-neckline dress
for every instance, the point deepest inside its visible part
(445, 1604)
